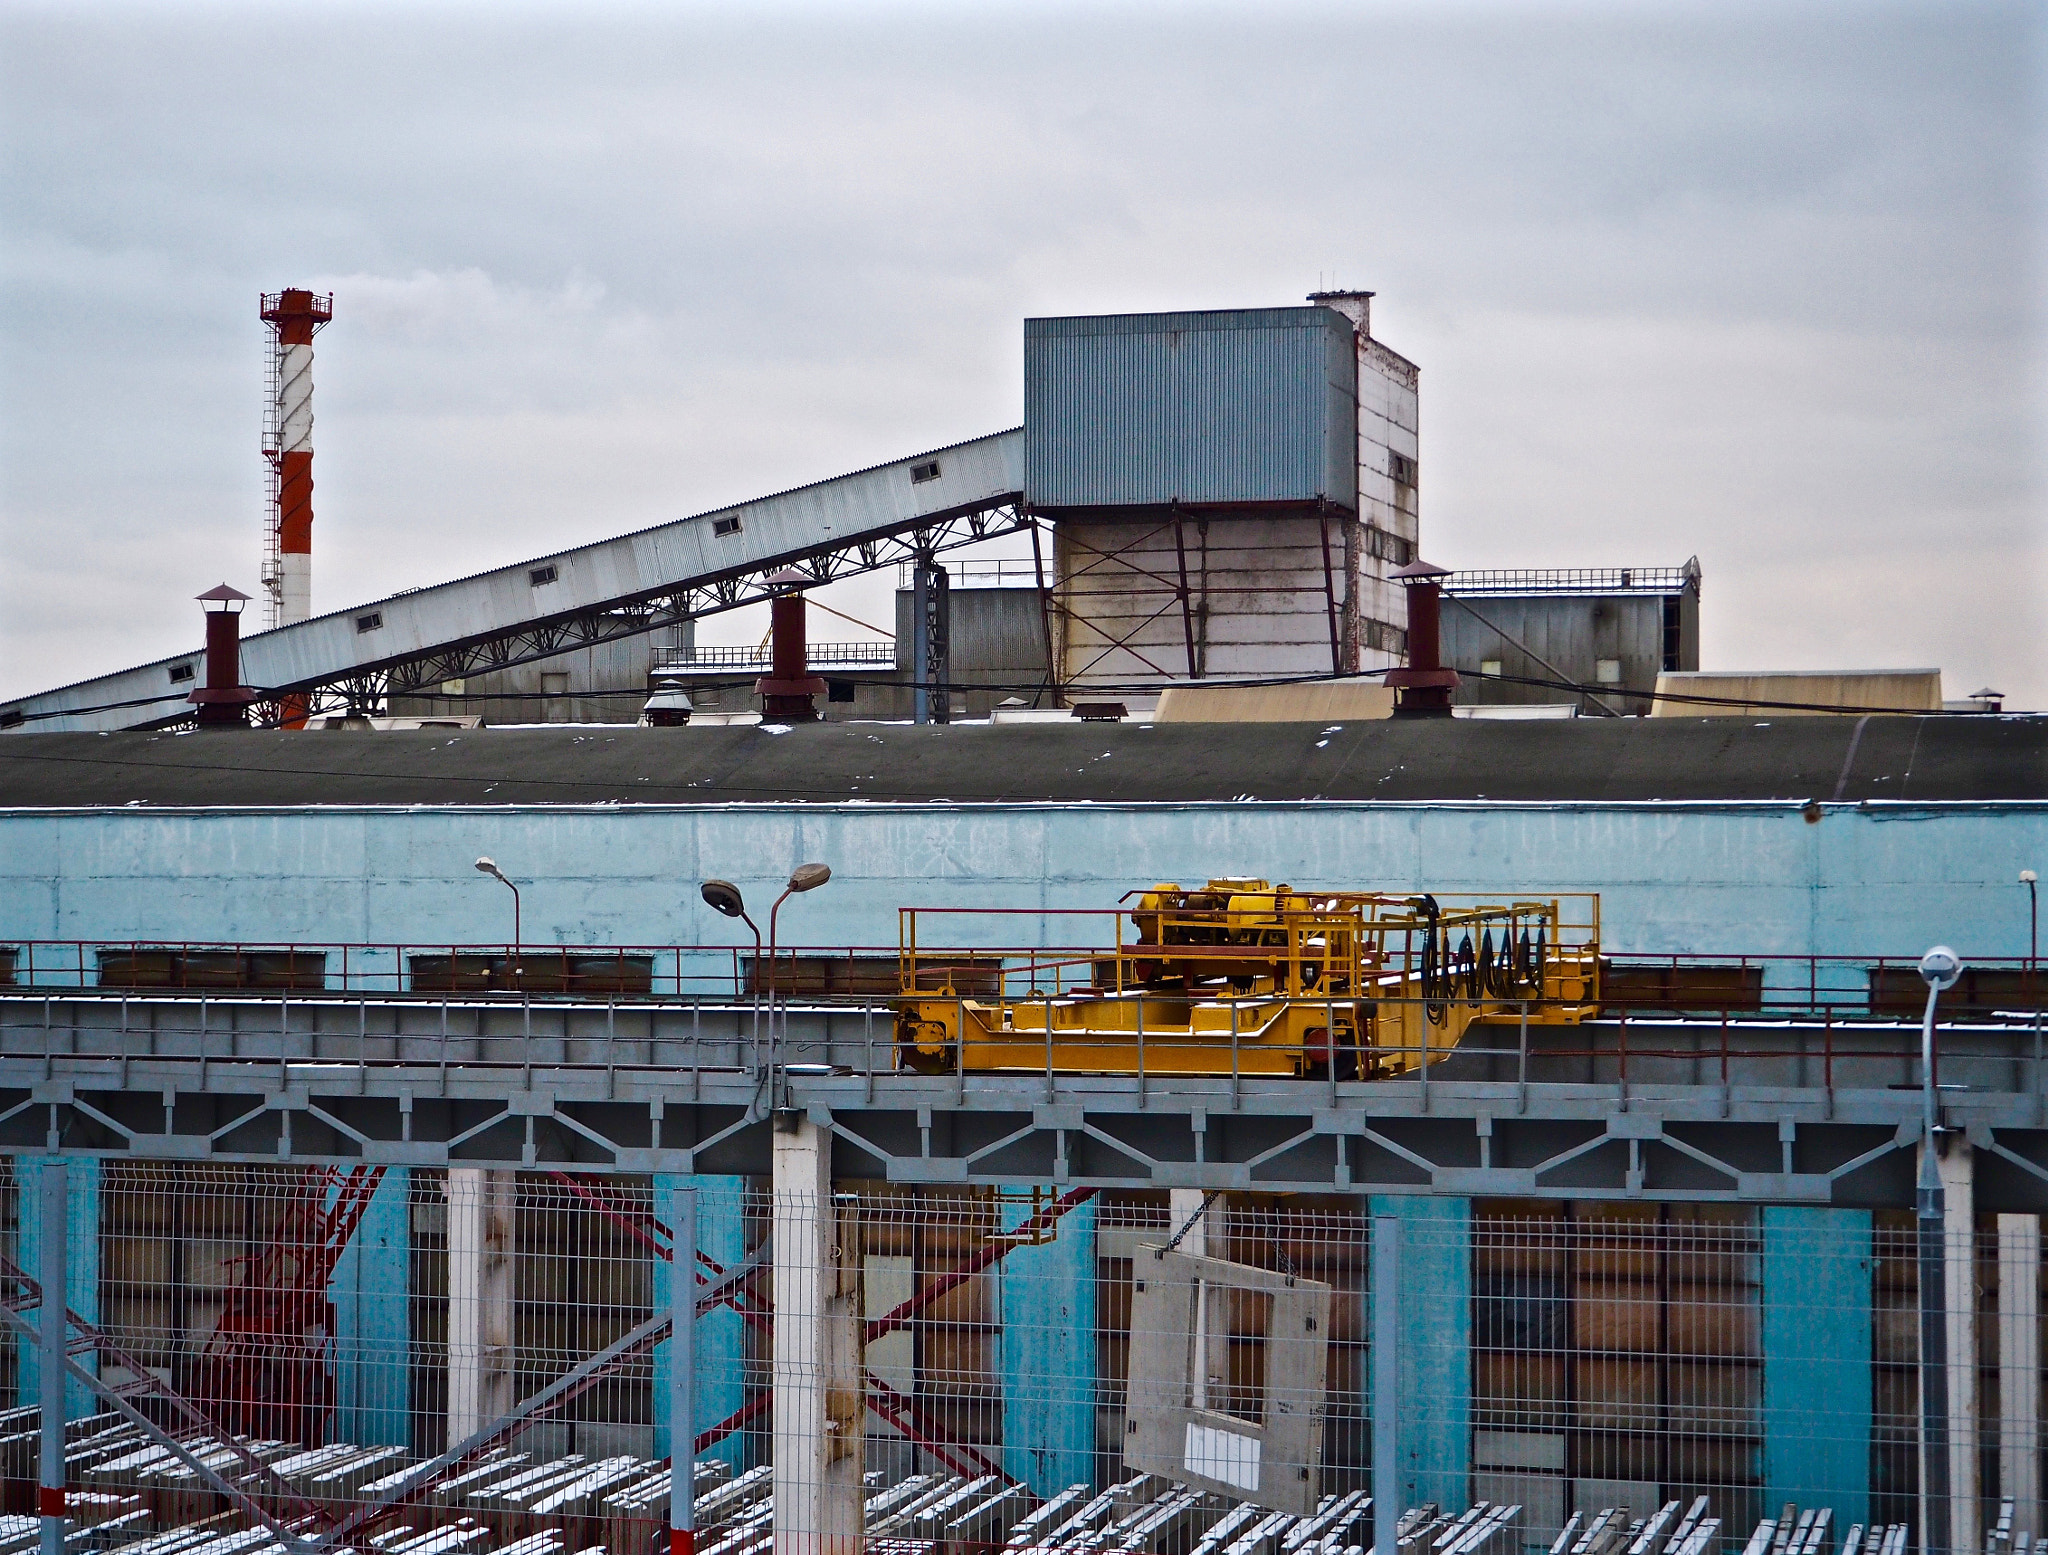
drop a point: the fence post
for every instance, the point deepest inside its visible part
(53, 1272)
(682, 1372)
(1385, 1275)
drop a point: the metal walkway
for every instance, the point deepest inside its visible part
(1764, 1110)
(720, 560)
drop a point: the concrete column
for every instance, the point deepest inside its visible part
(372, 1295)
(721, 1335)
(2019, 1368)
(480, 1290)
(1966, 1514)
(1816, 1352)
(1048, 1339)
(819, 1400)
(81, 1231)
(1434, 1293)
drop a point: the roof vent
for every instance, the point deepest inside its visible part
(1101, 712)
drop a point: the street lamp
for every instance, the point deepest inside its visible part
(724, 897)
(805, 877)
(1940, 967)
(2031, 881)
(489, 867)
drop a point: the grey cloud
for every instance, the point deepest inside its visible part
(1757, 282)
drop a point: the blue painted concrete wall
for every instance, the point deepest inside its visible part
(371, 1292)
(1048, 1354)
(1816, 1344)
(1434, 1308)
(721, 1335)
(1674, 877)
(81, 1271)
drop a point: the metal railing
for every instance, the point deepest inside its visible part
(1574, 580)
(1820, 987)
(865, 655)
(1007, 573)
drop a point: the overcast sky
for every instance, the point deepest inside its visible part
(1761, 284)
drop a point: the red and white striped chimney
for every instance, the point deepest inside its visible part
(294, 318)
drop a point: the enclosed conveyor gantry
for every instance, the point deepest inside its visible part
(906, 510)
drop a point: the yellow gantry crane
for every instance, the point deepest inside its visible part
(1242, 977)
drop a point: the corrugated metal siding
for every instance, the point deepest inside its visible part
(1207, 408)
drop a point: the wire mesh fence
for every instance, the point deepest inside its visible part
(423, 1361)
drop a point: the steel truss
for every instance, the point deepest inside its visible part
(1772, 1111)
(1086, 560)
(361, 689)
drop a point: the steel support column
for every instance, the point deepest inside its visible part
(1431, 1288)
(1048, 1348)
(721, 1332)
(371, 1291)
(1817, 1353)
(79, 1225)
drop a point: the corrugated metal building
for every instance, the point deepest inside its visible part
(1229, 490)
(1521, 636)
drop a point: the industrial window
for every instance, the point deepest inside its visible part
(1401, 467)
(928, 471)
(371, 622)
(1489, 666)
(1383, 637)
(541, 576)
(180, 672)
(1674, 634)
(728, 525)
(839, 691)
(1607, 671)
(12, 718)
(1384, 546)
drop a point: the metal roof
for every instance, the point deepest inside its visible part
(1893, 758)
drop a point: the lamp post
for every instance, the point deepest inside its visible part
(722, 896)
(1940, 967)
(2032, 882)
(805, 877)
(489, 867)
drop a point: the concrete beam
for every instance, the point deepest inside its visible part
(819, 1398)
